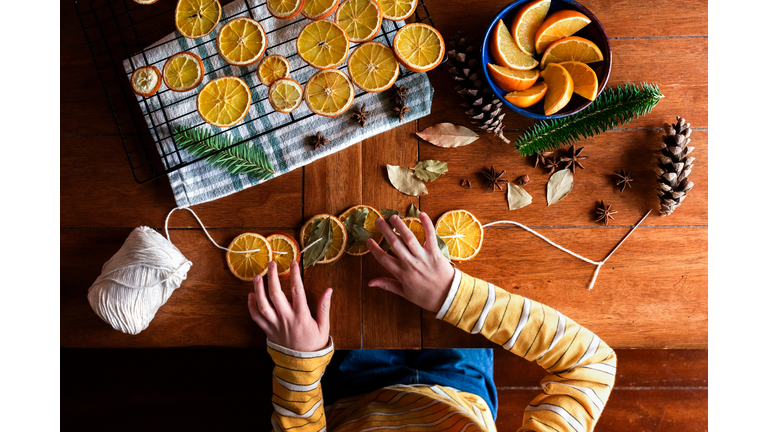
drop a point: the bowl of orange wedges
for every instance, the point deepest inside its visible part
(546, 59)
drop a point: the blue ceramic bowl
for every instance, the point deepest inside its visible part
(593, 31)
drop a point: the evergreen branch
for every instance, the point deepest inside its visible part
(241, 159)
(612, 108)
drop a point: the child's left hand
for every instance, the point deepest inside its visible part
(286, 324)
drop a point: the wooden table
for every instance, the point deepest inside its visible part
(651, 294)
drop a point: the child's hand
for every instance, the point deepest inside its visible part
(286, 324)
(423, 274)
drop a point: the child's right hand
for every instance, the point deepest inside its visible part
(424, 275)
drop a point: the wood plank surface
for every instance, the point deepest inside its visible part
(389, 321)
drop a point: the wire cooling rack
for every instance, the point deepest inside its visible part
(119, 33)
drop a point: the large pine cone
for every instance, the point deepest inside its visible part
(484, 106)
(674, 166)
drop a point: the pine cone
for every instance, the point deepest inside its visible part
(674, 166)
(484, 106)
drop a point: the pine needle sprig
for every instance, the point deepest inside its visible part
(611, 109)
(240, 159)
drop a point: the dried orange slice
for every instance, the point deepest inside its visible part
(398, 10)
(183, 71)
(224, 101)
(584, 78)
(336, 249)
(246, 266)
(414, 224)
(285, 9)
(560, 88)
(285, 95)
(329, 93)
(571, 48)
(145, 2)
(505, 50)
(376, 235)
(512, 80)
(528, 97)
(373, 67)
(462, 233)
(319, 9)
(527, 20)
(146, 80)
(322, 44)
(361, 19)
(285, 249)
(241, 42)
(559, 25)
(272, 68)
(418, 47)
(197, 18)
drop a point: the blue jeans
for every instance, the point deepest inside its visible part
(357, 372)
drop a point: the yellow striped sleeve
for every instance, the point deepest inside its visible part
(297, 396)
(582, 367)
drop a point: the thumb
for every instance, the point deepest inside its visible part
(324, 311)
(389, 284)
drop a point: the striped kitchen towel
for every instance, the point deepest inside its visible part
(289, 146)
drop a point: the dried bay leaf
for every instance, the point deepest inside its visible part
(321, 229)
(443, 247)
(447, 135)
(412, 211)
(559, 185)
(357, 234)
(405, 181)
(388, 213)
(517, 197)
(430, 170)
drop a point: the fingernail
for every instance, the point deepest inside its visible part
(257, 278)
(425, 214)
(330, 293)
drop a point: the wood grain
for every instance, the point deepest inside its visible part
(635, 151)
(647, 295)
(389, 321)
(332, 185)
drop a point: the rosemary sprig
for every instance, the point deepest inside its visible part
(240, 159)
(612, 108)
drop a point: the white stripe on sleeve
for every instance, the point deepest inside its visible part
(571, 420)
(561, 321)
(451, 294)
(487, 308)
(285, 412)
(591, 395)
(297, 387)
(520, 325)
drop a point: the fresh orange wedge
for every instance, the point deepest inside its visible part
(505, 50)
(146, 80)
(285, 249)
(560, 88)
(223, 102)
(373, 67)
(329, 93)
(361, 19)
(571, 48)
(285, 9)
(272, 68)
(512, 80)
(527, 20)
(285, 95)
(322, 44)
(241, 41)
(339, 241)
(197, 18)
(462, 233)
(245, 266)
(559, 25)
(584, 78)
(529, 97)
(376, 235)
(319, 9)
(418, 47)
(398, 10)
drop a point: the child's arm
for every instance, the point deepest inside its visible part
(299, 346)
(581, 367)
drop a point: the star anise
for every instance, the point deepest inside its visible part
(623, 180)
(604, 213)
(398, 94)
(400, 111)
(493, 179)
(319, 140)
(359, 115)
(551, 164)
(541, 158)
(572, 158)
